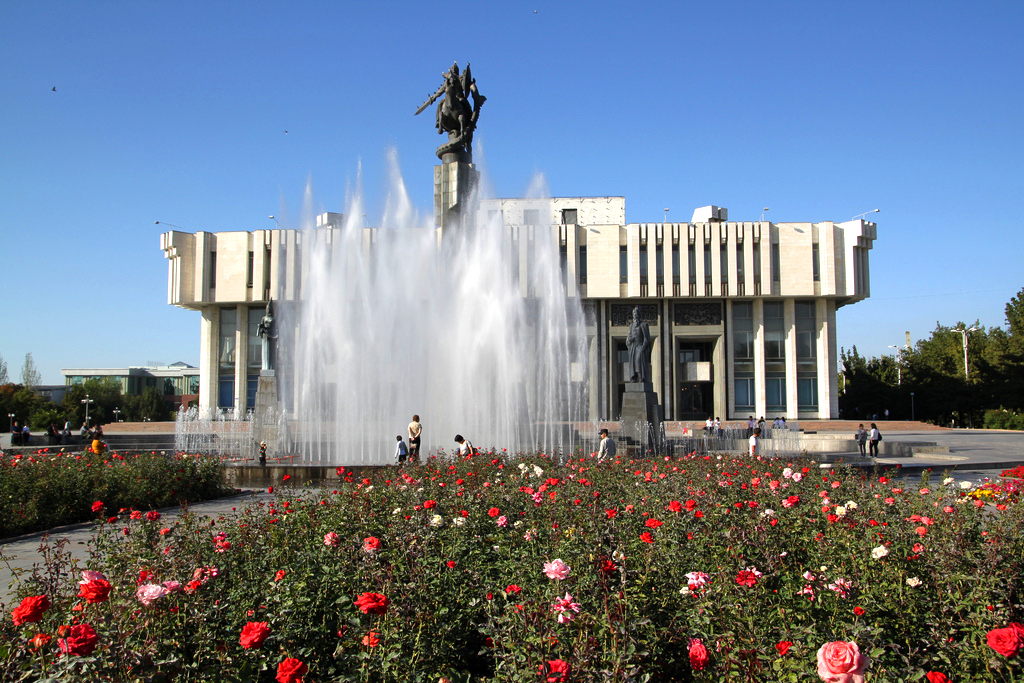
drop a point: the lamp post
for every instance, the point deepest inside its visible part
(10, 427)
(963, 334)
(763, 211)
(87, 401)
(117, 413)
(861, 215)
(666, 216)
(911, 406)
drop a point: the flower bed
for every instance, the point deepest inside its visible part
(46, 489)
(698, 568)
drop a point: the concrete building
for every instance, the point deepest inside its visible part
(742, 314)
(178, 382)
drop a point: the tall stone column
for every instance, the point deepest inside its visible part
(455, 184)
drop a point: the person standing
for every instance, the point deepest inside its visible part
(26, 435)
(752, 442)
(861, 436)
(401, 451)
(66, 434)
(606, 450)
(415, 429)
(751, 424)
(873, 439)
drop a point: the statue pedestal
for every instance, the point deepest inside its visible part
(264, 415)
(455, 181)
(641, 414)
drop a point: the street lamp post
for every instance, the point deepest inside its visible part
(911, 406)
(87, 401)
(963, 334)
(10, 427)
(117, 413)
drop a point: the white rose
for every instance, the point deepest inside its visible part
(914, 582)
(966, 485)
(436, 520)
(948, 480)
(879, 552)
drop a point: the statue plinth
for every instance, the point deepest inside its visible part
(641, 414)
(455, 183)
(265, 412)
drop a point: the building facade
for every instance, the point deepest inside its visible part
(178, 382)
(742, 314)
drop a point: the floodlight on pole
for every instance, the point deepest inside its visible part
(963, 333)
(117, 413)
(666, 216)
(861, 215)
(87, 401)
(899, 365)
(763, 212)
(169, 224)
(271, 217)
(10, 427)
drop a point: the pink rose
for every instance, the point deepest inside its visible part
(174, 587)
(148, 593)
(841, 662)
(89, 575)
(331, 539)
(556, 569)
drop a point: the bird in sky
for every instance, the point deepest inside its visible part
(54, 88)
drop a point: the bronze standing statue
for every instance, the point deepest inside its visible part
(265, 331)
(638, 342)
(455, 115)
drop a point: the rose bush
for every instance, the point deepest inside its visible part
(732, 585)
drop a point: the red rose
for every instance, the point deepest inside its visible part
(30, 610)
(97, 590)
(80, 641)
(610, 513)
(371, 639)
(746, 578)
(675, 506)
(97, 506)
(40, 640)
(653, 523)
(698, 654)
(646, 537)
(936, 677)
(555, 671)
(372, 603)
(152, 515)
(1006, 641)
(428, 504)
(280, 574)
(291, 670)
(783, 647)
(513, 589)
(253, 634)
(494, 512)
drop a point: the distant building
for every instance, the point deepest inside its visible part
(178, 382)
(742, 314)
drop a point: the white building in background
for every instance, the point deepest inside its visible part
(742, 314)
(178, 382)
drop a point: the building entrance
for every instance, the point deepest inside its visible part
(696, 384)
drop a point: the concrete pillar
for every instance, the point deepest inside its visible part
(760, 394)
(789, 321)
(209, 328)
(828, 365)
(730, 365)
(241, 352)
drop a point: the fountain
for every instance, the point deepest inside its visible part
(427, 317)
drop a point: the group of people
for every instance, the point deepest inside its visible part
(871, 437)
(411, 452)
(20, 435)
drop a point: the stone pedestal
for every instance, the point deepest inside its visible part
(641, 413)
(455, 181)
(264, 416)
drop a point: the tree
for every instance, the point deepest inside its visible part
(105, 395)
(153, 406)
(3, 371)
(29, 373)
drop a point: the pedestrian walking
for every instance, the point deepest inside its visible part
(874, 437)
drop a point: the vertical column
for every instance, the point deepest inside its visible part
(760, 396)
(699, 248)
(828, 366)
(730, 363)
(209, 331)
(668, 357)
(789, 321)
(241, 352)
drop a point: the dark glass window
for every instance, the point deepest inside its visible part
(774, 331)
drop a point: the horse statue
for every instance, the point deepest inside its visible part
(455, 115)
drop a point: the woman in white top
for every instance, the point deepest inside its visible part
(873, 439)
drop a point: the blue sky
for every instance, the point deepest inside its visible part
(177, 112)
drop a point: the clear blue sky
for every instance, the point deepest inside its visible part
(177, 112)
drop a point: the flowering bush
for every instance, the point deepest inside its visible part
(691, 568)
(46, 489)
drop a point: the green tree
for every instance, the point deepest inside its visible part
(105, 395)
(29, 373)
(152, 405)
(3, 371)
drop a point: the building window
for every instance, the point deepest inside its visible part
(569, 217)
(816, 262)
(723, 261)
(775, 393)
(644, 258)
(774, 331)
(659, 263)
(776, 263)
(563, 262)
(691, 260)
(675, 263)
(213, 270)
(531, 217)
(707, 263)
(623, 265)
(226, 394)
(807, 392)
(228, 326)
(248, 275)
(806, 331)
(251, 384)
(583, 265)
(743, 330)
(255, 344)
(739, 263)
(744, 394)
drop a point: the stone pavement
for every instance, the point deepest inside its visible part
(973, 455)
(22, 553)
